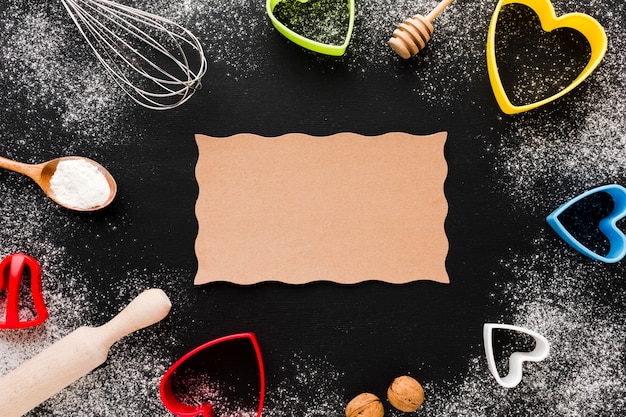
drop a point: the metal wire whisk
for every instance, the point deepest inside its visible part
(157, 62)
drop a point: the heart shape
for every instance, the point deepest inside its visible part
(308, 43)
(182, 409)
(608, 225)
(12, 269)
(517, 359)
(586, 25)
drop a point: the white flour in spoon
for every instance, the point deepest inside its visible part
(79, 184)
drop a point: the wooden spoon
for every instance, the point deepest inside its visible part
(42, 173)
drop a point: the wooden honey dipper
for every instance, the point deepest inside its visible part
(413, 34)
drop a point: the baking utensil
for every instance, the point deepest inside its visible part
(169, 395)
(586, 25)
(157, 62)
(413, 34)
(516, 360)
(608, 225)
(12, 270)
(75, 355)
(42, 173)
(310, 44)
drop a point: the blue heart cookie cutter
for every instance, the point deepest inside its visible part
(608, 225)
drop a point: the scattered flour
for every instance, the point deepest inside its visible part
(55, 99)
(79, 184)
(45, 64)
(196, 388)
(576, 143)
(459, 38)
(313, 389)
(557, 295)
(565, 149)
(544, 158)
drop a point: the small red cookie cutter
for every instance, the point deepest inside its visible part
(11, 274)
(173, 403)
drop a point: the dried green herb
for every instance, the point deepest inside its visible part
(324, 21)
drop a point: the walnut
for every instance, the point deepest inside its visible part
(405, 394)
(365, 405)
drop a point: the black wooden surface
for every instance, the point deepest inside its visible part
(370, 332)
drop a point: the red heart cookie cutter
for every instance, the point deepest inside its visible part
(182, 409)
(12, 270)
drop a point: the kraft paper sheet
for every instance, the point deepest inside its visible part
(343, 208)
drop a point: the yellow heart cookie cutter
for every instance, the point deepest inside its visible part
(580, 22)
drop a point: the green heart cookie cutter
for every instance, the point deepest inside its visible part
(315, 46)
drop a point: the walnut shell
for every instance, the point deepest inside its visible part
(365, 405)
(405, 394)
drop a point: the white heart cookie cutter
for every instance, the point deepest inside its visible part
(516, 360)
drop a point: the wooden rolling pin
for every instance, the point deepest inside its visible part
(75, 355)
